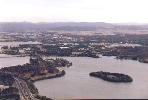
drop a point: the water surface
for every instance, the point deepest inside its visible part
(9, 60)
(78, 84)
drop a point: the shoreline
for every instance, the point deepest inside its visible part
(141, 60)
(27, 74)
(38, 96)
(33, 89)
(50, 77)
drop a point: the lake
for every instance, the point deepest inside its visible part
(77, 84)
(9, 60)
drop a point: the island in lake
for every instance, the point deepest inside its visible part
(112, 77)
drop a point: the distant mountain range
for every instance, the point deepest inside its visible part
(69, 26)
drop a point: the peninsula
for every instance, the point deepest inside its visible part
(17, 81)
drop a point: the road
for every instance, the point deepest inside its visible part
(24, 91)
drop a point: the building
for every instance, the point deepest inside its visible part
(36, 60)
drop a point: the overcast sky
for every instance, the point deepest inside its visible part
(113, 11)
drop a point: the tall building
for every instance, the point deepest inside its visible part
(36, 60)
